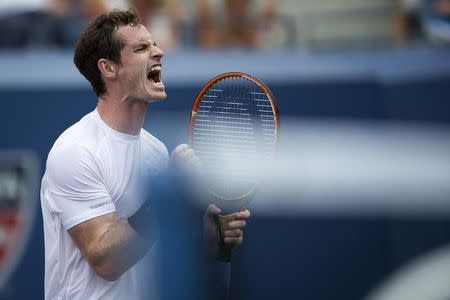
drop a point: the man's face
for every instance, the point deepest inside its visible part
(140, 72)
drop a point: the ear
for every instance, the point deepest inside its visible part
(107, 68)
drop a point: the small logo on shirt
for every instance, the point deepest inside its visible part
(101, 204)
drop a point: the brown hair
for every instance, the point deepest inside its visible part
(98, 41)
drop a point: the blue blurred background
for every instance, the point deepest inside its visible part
(366, 64)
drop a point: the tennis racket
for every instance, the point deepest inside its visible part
(233, 129)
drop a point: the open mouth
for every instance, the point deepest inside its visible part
(154, 74)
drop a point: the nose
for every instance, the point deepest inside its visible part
(156, 53)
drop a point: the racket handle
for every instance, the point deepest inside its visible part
(225, 249)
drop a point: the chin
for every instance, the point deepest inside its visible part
(154, 92)
(157, 97)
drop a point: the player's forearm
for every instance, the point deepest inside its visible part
(116, 251)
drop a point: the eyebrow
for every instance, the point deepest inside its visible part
(144, 43)
(141, 44)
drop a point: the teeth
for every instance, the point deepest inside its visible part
(155, 68)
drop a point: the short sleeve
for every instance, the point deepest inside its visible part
(73, 186)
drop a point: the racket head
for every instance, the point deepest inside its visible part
(233, 121)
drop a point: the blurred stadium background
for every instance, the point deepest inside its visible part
(360, 208)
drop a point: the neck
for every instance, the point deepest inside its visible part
(123, 115)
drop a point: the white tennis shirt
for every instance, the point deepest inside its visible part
(92, 170)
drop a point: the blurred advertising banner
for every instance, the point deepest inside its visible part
(18, 186)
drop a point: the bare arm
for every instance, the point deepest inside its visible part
(111, 246)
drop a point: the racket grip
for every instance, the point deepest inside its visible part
(225, 249)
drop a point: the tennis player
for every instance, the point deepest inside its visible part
(97, 227)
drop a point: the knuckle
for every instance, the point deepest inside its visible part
(231, 240)
(232, 225)
(233, 233)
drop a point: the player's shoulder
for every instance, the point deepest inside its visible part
(154, 143)
(77, 140)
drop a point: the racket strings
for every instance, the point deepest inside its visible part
(234, 124)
